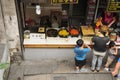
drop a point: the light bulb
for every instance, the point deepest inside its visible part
(38, 10)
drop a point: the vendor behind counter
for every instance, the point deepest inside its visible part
(108, 19)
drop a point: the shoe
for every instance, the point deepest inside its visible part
(106, 69)
(92, 70)
(77, 70)
(83, 70)
(116, 75)
(98, 70)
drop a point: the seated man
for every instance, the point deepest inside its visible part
(117, 68)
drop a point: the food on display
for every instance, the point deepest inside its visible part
(86, 38)
(113, 36)
(74, 32)
(52, 33)
(104, 28)
(63, 33)
(87, 30)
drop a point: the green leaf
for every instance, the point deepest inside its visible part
(4, 65)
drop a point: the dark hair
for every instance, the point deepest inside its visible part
(111, 44)
(104, 33)
(80, 42)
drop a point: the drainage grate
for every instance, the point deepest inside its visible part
(59, 78)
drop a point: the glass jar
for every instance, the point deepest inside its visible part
(26, 34)
(113, 36)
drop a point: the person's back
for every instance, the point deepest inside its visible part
(99, 50)
(112, 51)
(100, 43)
(80, 53)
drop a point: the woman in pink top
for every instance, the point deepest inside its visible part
(108, 19)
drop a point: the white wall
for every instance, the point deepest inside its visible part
(2, 28)
(9, 22)
(48, 53)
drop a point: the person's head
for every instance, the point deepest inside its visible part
(79, 42)
(111, 44)
(103, 33)
(100, 34)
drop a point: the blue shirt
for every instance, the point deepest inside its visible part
(80, 54)
(119, 60)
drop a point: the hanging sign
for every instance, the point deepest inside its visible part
(113, 6)
(64, 1)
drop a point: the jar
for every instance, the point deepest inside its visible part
(113, 36)
(26, 34)
(111, 29)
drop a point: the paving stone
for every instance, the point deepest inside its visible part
(38, 68)
(73, 76)
(16, 72)
(53, 70)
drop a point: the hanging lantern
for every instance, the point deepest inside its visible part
(38, 9)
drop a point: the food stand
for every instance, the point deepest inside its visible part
(55, 47)
(59, 43)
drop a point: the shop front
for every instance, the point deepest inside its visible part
(52, 32)
(55, 47)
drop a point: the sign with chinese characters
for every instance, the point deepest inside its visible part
(64, 1)
(113, 6)
(37, 36)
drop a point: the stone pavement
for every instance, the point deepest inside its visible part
(72, 76)
(53, 70)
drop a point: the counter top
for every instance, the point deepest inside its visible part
(56, 42)
(51, 42)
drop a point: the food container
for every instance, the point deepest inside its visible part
(87, 30)
(52, 33)
(41, 29)
(111, 29)
(104, 28)
(64, 33)
(26, 34)
(74, 33)
(113, 36)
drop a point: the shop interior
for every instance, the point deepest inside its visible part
(73, 13)
(48, 18)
